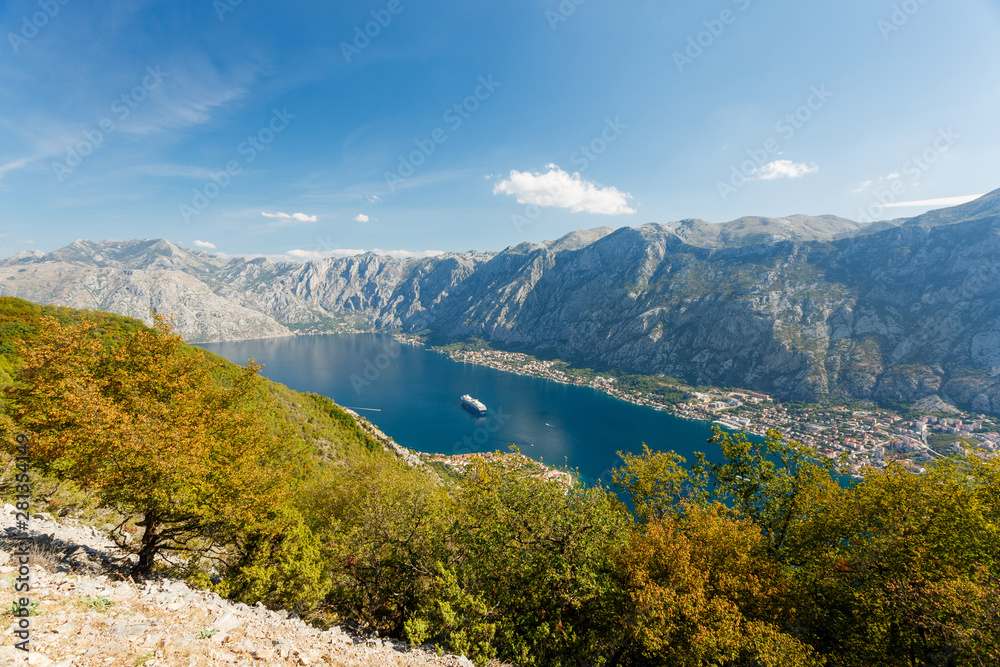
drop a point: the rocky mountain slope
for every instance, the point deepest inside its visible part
(89, 615)
(803, 307)
(216, 299)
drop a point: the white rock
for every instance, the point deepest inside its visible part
(66, 628)
(264, 654)
(178, 587)
(129, 630)
(227, 622)
(123, 593)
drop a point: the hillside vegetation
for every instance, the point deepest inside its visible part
(264, 494)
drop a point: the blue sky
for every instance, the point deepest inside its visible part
(305, 129)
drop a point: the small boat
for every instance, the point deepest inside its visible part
(472, 405)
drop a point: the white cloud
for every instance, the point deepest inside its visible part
(27, 242)
(362, 218)
(301, 217)
(558, 189)
(204, 244)
(943, 201)
(893, 175)
(308, 255)
(861, 188)
(784, 169)
(374, 199)
(298, 255)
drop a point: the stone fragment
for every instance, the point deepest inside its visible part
(227, 622)
(66, 628)
(137, 630)
(123, 593)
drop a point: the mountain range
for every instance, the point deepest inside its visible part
(803, 307)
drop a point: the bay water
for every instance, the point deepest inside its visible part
(414, 395)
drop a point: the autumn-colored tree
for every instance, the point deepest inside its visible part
(155, 429)
(706, 591)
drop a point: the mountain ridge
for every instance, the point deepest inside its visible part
(805, 307)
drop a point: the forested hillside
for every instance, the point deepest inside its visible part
(264, 494)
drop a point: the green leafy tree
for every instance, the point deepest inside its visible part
(542, 558)
(456, 617)
(655, 482)
(383, 526)
(905, 569)
(281, 564)
(772, 484)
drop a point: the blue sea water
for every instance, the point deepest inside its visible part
(413, 394)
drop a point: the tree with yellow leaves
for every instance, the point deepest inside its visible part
(704, 591)
(156, 429)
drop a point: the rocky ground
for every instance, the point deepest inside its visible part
(90, 615)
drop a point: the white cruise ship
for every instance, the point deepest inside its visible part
(473, 405)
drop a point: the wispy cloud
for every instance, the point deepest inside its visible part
(111, 98)
(193, 93)
(943, 201)
(559, 189)
(784, 169)
(204, 244)
(300, 217)
(176, 171)
(13, 165)
(861, 188)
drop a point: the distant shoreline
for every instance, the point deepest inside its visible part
(860, 437)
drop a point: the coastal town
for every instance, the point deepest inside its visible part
(460, 464)
(857, 439)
